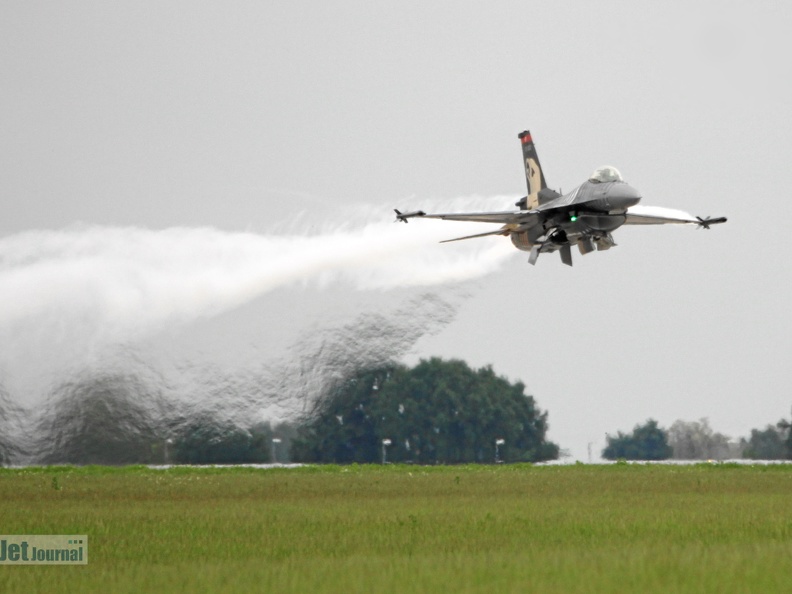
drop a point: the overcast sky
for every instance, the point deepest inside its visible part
(261, 116)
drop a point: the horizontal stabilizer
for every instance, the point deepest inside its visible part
(498, 232)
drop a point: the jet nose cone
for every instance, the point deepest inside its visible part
(623, 196)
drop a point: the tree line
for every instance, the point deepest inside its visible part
(696, 440)
(435, 412)
(439, 411)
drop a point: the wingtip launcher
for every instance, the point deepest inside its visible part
(403, 216)
(707, 221)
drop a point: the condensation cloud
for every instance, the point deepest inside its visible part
(109, 284)
(79, 309)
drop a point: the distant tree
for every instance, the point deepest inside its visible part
(767, 444)
(695, 440)
(284, 432)
(438, 411)
(206, 440)
(785, 429)
(646, 442)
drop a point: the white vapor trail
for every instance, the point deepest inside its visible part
(120, 283)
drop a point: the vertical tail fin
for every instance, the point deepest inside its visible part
(533, 171)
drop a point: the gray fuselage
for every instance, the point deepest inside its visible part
(585, 216)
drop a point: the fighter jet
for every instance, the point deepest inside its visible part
(548, 221)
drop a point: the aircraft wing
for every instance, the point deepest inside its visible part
(657, 215)
(511, 220)
(501, 231)
(504, 217)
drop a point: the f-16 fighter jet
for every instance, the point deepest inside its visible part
(548, 221)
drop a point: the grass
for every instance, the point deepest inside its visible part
(620, 528)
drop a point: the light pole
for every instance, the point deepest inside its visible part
(275, 442)
(498, 442)
(385, 443)
(167, 443)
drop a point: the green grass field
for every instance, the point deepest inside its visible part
(619, 528)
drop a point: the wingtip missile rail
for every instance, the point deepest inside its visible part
(403, 216)
(707, 221)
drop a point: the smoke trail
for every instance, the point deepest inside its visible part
(114, 284)
(81, 309)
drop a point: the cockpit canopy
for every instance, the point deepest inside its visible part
(606, 174)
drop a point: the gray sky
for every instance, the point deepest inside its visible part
(249, 116)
